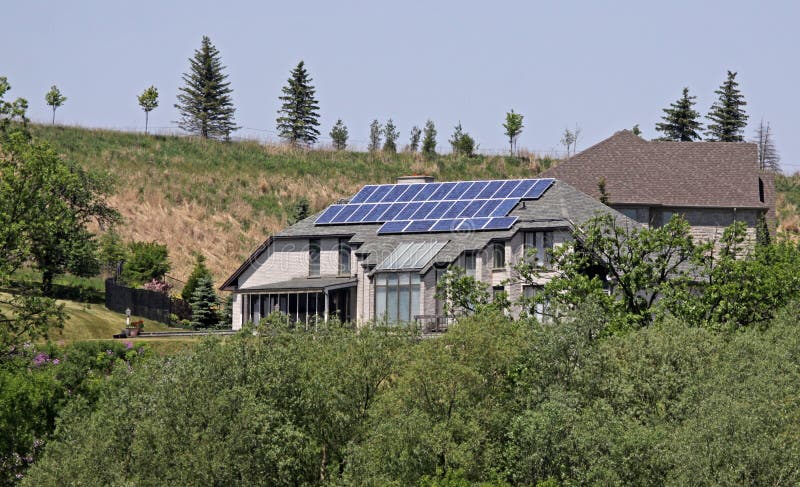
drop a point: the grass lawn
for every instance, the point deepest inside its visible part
(89, 321)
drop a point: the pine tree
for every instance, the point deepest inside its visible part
(299, 114)
(54, 99)
(205, 304)
(768, 157)
(728, 118)
(680, 120)
(339, 135)
(375, 131)
(300, 211)
(413, 144)
(205, 103)
(391, 134)
(429, 139)
(148, 100)
(200, 271)
(461, 142)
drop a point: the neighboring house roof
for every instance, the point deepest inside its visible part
(561, 206)
(680, 174)
(306, 283)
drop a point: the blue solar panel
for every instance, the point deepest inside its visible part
(522, 189)
(440, 209)
(362, 195)
(328, 214)
(393, 227)
(504, 207)
(447, 225)
(408, 211)
(426, 192)
(473, 224)
(360, 213)
(539, 188)
(454, 210)
(424, 209)
(374, 216)
(419, 226)
(472, 208)
(458, 191)
(490, 189)
(442, 191)
(507, 188)
(379, 193)
(488, 208)
(395, 192)
(412, 191)
(345, 213)
(392, 211)
(500, 223)
(472, 192)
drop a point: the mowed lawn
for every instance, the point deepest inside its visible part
(91, 321)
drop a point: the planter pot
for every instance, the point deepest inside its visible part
(132, 332)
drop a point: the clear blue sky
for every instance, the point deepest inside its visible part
(602, 65)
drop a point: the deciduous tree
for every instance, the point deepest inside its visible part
(513, 126)
(54, 99)
(148, 100)
(205, 102)
(10, 111)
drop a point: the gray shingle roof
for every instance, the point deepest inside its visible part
(637, 171)
(304, 283)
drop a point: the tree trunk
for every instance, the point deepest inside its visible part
(47, 282)
(54, 115)
(146, 117)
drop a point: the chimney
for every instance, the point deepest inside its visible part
(414, 179)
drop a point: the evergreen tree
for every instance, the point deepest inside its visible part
(111, 250)
(226, 311)
(299, 114)
(375, 131)
(413, 144)
(205, 304)
(680, 120)
(339, 135)
(461, 142)
(300, 211)
(54, 99)
(204, 102)
(429, 139)
(200, 271)
(391, 134)
(728, 118)
(762, 230)
(148, 100)
(768, 157)
(636, 130)
(513, 126)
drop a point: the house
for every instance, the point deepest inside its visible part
(380, 254)
(712, 184)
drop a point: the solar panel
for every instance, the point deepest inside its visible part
(500, 223)
(473, 224)
(412, 191)
(327, 215)
(454, 210)
(490, 189)
(379, 193)
(447, 225)
(424, 209)
(362, 195)
(360, 213)
(458, 191)
(426, 192)
(440, 209)
(374, 216)
(472, 192)
(539, 188)
(345, 213)
(419, 226)
(472, 208)
(504, 207)
(408, 211)
(395, 192)
(521, 189)
(441, 191)
(489, 207)
(392, 211)
(393, 227)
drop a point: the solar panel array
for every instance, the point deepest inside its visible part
(436, 207)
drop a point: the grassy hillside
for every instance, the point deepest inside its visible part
(224, 199)
(788, 204)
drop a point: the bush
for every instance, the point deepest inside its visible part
(147, 261)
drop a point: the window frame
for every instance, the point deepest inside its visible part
(542, 241)
(471, 257)
(345, 250)
(498, 250)
(314, 260)
(397, 288)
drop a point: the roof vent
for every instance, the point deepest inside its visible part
(414, 179)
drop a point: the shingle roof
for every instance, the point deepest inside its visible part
(304, 283)
(637, 171)
(561, 206)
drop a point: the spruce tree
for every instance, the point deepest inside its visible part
(299, 114)
(339, 135)
(375, 131)
(205, 103)
(200, 271)
(204, 303)
(728, 118)
(391, 134)
(429, 139)
(413, 143)
(680, 120)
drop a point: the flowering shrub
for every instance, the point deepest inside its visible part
(158, 286)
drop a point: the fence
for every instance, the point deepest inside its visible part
(148, 304)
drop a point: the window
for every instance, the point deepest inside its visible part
(344, 257)
(497, 291)
(499, 252)
(760, 190)
(535, 309)
(313, 257)
(469, 263)
(396, 296)
(537, 245)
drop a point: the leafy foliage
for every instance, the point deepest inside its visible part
(429, 139)
(513, 127)
(390, 134)
(11, 111)
(204, 102)
(148, 100)
(339, 135)
(727, 116)
(461, 142)
(680, 120)
(299, 113)
(146, 261)
(54, 99)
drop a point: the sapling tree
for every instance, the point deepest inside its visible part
(148, 100)
(54, 99)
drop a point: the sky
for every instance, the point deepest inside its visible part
(601, 66)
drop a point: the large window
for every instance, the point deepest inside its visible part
(300, 307)
(313, 257)
(537, 246)
(344, 257)
(469, 263)
(537, 309)
(499, 255)
(396, 296)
